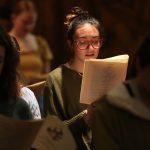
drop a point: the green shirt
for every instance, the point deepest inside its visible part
(61, 98)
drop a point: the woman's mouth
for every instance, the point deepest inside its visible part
(89, 55)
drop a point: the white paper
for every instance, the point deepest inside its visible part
(54, 135)
(43, 134)
(100, 75)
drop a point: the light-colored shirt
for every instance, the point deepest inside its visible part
(30, 98)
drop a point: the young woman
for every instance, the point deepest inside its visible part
(10, 102)
(35, 55)
(62, 90)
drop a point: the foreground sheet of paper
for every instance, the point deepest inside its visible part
(100, 75)
(54, 135)
(17, 134)
(44, 134)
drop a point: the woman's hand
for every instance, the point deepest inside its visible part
(89, 112)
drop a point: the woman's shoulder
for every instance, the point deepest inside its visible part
(44, 47)
(26, 91)
(40, 39)
(56, 71)
(59, 73)
(28, 95)
(61, 70)
(55, 74)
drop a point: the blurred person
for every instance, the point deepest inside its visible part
(62, 89)
(11, 104)
(121, 120)
(36, 56)
(26, 93)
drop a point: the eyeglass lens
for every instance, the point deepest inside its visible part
(83, 44)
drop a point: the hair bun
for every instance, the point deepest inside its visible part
(74, 12)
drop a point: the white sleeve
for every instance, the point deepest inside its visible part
(30, 98)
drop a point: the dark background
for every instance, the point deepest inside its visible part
(126, 22)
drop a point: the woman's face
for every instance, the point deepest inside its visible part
(86, 42)
(2, 57)
(25, 22)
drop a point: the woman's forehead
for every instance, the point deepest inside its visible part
(86, 30)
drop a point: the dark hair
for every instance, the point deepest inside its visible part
(77, 17)
(143, 53)
(23, 5)
(9, 87)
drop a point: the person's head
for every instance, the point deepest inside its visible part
(24, 16)
(9, 61)
(84, 34)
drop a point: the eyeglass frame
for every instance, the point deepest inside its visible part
(89, 43)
